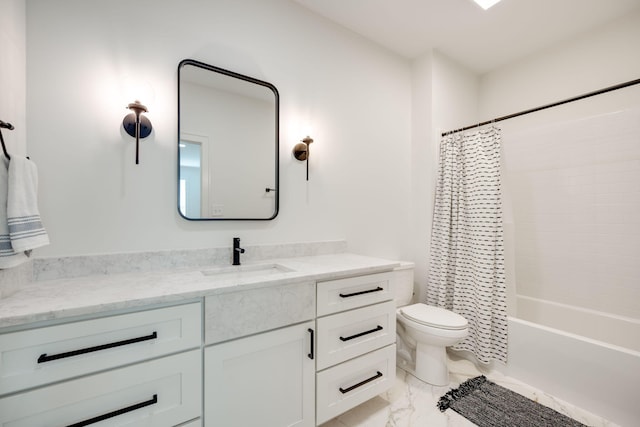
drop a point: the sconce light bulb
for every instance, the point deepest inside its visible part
(137, 108)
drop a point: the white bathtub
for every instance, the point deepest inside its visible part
(598, 376)
(617, 330)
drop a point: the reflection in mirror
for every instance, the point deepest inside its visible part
(228, 144)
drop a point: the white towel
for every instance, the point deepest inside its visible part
(23, 217)
(8, 257)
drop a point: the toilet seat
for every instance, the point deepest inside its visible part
(435, 317)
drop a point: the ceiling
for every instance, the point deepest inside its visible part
(480, 40)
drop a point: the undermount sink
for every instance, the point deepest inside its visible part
(246, 271)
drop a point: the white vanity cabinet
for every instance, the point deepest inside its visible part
(286, 351)
(260, 370)
(265, 380)
(356, 329)
(131, 369)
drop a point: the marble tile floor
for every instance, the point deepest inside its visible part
(412, 403)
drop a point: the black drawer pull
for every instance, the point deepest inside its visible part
(44, 358)
(99, 418)
(310, 355)
(376, 329)
(368, 380)
(378, 289)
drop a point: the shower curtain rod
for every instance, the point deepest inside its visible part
(544, 107)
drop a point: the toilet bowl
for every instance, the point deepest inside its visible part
(423, 332)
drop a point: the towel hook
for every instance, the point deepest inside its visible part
(5, 125)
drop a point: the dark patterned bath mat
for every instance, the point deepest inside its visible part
(489, 405)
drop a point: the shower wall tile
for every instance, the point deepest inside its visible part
(575, 194)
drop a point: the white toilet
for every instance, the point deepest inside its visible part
(423, 332)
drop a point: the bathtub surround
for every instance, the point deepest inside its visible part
(573, 190)
(467, 253)
(571, 193)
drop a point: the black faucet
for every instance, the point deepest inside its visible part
(237, 250)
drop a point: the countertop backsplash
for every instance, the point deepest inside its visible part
(41, 269)
(11, 279)
(140, 262)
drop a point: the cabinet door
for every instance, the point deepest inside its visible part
(264, 380)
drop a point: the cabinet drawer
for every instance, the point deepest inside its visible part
(41, 356)
(349, 384)
(349, 334)
(353, 292)
(162, 392)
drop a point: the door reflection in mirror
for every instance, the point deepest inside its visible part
(194, 176)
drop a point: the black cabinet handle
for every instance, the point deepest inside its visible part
(368, 380)
(103, 417)
(45, 358)
(310, 355)
(378, 289)
(376, 329)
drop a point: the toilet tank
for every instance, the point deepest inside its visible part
(403, 283)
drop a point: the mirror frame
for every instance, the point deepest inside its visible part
(249, 79)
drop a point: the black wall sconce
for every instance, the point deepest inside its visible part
(137, 125)
(301, 151)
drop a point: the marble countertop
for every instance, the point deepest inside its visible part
(61, 298)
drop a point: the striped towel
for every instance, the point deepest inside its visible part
(8, 257)
(23, 218)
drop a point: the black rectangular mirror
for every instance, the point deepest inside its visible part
(228, 139)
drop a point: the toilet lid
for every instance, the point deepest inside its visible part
(434, 316)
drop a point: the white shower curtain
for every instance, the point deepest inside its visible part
(466, 271)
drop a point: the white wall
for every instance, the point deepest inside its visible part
(13, 107)
(591, 260)
(12, 74)
(445, 97)
(354, 96)
(603, 57)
